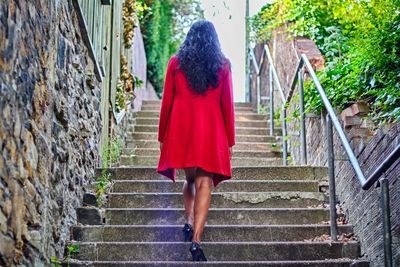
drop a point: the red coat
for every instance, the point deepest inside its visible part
(196, 130)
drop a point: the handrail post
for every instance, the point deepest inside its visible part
(302, 120)
(284, 136)
(331, 172)
(271, 103)
(387, 236)
(258, 93)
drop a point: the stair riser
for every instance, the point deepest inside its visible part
(157, 108)
(253, 154)
(231, 186)
(238, 115)
(217, 251)
(238, 146)
(330, 263)
(242, 173)
(158, 102)
(254, 216)
(239, 138)
(153, 161)
(211, 233)
(256, 124)
(258, 200)
(238, 131)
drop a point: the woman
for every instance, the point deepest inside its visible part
(196, 127)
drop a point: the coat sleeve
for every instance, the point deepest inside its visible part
(227, 106)
(167, 99)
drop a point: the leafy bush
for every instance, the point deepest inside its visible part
(164, 25)
(361, 42)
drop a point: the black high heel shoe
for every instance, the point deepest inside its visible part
(187, 232)
(197, 252)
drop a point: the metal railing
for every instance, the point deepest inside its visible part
(273, 77)
(378, 176)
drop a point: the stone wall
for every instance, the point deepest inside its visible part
(370, 146)
(49, 128)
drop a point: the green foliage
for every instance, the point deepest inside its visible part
(264, 109)
(71, 249)
(103, 183)
(55, 262)
(110, 154)
(164, 26)
(360, 40)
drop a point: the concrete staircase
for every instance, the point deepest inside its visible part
(266, 215)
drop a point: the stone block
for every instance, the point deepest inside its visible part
(352, 121)
(359, 108)
(90, 216)
(89, 199)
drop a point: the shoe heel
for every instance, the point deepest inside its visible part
(197, 252)
(187, 233)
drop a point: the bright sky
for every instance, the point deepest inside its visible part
(228, 17)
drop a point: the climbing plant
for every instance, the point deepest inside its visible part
(360, 40)
(164, 26)
(125, 86)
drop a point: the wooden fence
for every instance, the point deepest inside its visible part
(102, 30)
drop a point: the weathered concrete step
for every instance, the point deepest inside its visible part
(237, 153)
(260, 216)
(158, 102)
(238, 130)
(239, 138)
(235, 161)
(219, 200)
(158, 107)
(322, 263)
(218, 251)
(218, 233)
(238, 146)
(234, 185)
(238, 115)
(242, 173)
(249, 123)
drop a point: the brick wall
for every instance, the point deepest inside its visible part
(370, 146)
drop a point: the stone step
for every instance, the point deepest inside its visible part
(242, 173)
(319, 263)
(236, 216)
(238, 130)
(239, 116)
(152, 161)
(239, 138)
(236, 153)
(219, 200)
(273, 147)
(234, 185)
(158, 107)
(249, 123)
(217, 233)
(217, 251)
(158, 102)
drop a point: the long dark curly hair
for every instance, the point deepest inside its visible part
(200, 56)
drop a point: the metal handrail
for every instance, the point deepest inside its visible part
(332, 121)
(273, 77)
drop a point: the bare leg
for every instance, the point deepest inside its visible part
(189, 194)
(203, 184)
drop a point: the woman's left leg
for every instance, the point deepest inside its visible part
(189, 192)
(203, 184)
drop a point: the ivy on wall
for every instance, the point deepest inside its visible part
(361, 42)
(164, 26)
